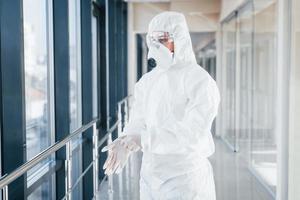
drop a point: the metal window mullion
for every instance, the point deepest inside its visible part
(95, 160)
(5, 193)
(79, 80)
(87, 96)
(68, 171)
(108, 97)
(119, 117)
(61, 86)
(78, 59)
(120, 176)
(12, 106)
(237, 83)
(50, 84)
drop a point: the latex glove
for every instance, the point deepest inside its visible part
(119, 152)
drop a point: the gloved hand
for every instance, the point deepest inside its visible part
(119, 152)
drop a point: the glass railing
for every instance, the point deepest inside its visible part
(43, 174)
(124, 185)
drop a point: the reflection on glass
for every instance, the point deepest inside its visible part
(75, 64)
(263, 143)
(40, 192)
(37, 99)
(245, 79)
(228, 79)
(40, 185)
(206, 58)
(75, 90)
(36, 77)
(248, 87)
(94, 56)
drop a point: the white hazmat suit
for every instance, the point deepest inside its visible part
(173, 110)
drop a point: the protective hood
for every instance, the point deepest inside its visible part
(175, 24)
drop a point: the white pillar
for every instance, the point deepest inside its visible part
(131, 69)
(294, 107)
(282, 93)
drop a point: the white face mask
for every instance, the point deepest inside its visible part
(161, 54)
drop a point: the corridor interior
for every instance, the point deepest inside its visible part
(67, 74)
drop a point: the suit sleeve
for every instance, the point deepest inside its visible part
(136, 122)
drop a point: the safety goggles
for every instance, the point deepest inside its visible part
(161, 37)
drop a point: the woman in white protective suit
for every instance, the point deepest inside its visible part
(170, 120)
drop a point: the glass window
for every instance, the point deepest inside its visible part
(95, 64)
(75, 92)
(228, 82)
(75, 64)
(248, 85)
(245, 78)
(263, 142)
(38, 64)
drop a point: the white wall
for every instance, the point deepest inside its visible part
(294, 125)
(144, 12)
(294, 114)
(228, 6)
(131, 69)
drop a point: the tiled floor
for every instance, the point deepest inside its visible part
(232, 177)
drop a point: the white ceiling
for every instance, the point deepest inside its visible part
(201, 15)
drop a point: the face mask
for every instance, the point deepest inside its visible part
(162, 55)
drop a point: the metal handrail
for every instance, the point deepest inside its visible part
(110, 131)
(125, 99)
(7, 179)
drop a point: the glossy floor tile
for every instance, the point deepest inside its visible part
(233, 179)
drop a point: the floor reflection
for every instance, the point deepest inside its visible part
(233, 179)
